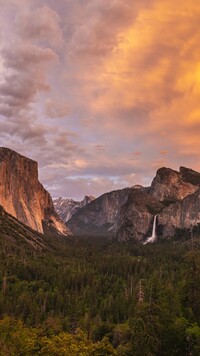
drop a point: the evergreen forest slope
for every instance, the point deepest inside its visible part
(99, 297)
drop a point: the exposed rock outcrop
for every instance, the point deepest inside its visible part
(23, 196)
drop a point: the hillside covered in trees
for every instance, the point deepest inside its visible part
(99, 297)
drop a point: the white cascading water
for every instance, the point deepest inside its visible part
(153, 236)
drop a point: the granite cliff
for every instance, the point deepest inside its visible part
(23, 196)
(173, 196)
(129, 213)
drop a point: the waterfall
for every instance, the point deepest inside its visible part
(153, 236)
(154, 227)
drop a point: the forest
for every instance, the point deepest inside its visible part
(95, 296)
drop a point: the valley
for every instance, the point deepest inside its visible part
(125, 267)
(101, 295)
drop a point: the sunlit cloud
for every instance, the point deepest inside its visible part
(101, 94)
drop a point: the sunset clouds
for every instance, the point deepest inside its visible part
(100, 92)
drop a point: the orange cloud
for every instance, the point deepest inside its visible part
(153, 73)
(129, 70)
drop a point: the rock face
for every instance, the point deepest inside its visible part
(183, 214)
(23, 196)
(136, 216)
(129, 213)
(100, 216)
(173, 195)
(66, 208)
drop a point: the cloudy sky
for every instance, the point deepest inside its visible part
(100, 92)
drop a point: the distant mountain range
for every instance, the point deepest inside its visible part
(66, 208)
(174, 196)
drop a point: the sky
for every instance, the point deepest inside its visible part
(101, 93)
